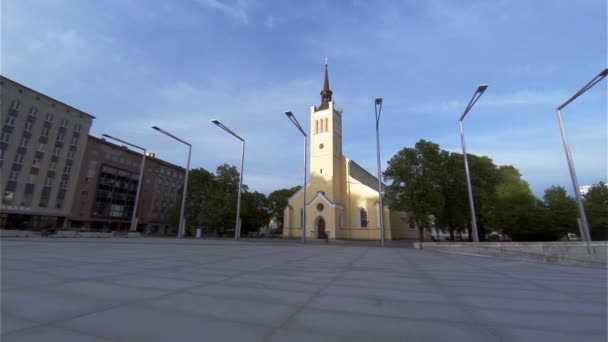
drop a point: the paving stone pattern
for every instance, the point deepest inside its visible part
(218, 290)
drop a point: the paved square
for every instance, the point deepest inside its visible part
(219, 290)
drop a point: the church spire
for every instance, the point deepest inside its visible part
(326, 92)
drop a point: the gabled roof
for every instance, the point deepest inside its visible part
(366, 178)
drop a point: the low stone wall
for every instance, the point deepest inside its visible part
(559, 252)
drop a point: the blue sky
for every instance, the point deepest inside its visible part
(178, 64)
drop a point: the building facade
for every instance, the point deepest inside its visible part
(342, 197)
(107, 188)
(42, 142)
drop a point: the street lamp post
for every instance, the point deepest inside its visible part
(182, 220)
(141, 180)
(293, 119)
(378, 110)
(480, 90)
(237, 229)
(584, 225)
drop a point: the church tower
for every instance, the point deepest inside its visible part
(326, 160)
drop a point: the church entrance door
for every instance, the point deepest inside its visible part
(320, 228)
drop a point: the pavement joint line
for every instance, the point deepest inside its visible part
(452, 299)
(315, 294)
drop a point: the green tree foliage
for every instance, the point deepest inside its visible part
(452, 182)
(561, 210)
(255, 212)
(277, 200)
(485, 176)
(596, 208)
(415, 187)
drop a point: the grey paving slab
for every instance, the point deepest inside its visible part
(153, 289)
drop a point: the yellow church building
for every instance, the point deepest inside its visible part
(342, 197)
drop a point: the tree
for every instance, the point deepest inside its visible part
(485, 177)
(277, 200)
(596, 208)
(516, 211)
(255, 212)
(561, 210)
(452, 183)
(415, 188)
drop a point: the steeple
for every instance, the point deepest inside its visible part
(326, 92)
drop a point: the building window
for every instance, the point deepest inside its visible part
(60, 137)
(52, 166)
(41, 147)
(116, 191)
(5, 137)
(49, 181)
(64, 184)
(28, 126)
(19, 158)
(67, 169)
(2, 154)
(71, 155)
(15, 104)
(24, 142)
(36, 163)
(64, 123)
(45, 132)
(10, 120)
(34, 111)
(74, 141)
(56, 151)
(14, 175)
(77, 128)
(49, 117)
(363, 217)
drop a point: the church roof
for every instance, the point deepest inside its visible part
(366, 178)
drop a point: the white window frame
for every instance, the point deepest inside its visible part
(19, 158)
(77, 128)
(15, 104)
(70, 155)
(60, 137)
(74, 141)
(14, 175)
(48, 181)
(67, 169)
(2, 152)
(45, 132)
(28, 126)
(36, 163)
(53, 166)
(24, 142)
(64, 122)
(9, 121)
(34, 111)
(5, 137)
(49, 117)
(57, 151)
(64, 184)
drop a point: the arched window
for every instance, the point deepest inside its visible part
(316, 126)
(363, 217)
(301, 218)
(326, 125)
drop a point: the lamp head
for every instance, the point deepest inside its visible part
(378, 100)
(604, 73)
(290, 114)
(105, 135)
(215, 121)
(482, 88)
(156, 128)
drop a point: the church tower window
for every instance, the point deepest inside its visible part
(326, 125)
(316, 126)
(363, 217)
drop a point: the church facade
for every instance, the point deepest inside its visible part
(341, 196)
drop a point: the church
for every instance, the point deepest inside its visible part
(342, 197)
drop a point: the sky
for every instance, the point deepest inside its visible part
(134, 64)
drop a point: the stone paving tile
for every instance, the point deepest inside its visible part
(18, 279)
(384, 294)
(146, 281)
(254, 294)
(283, 335)
(48, 306)
(533, 305)
(9, 323)
(49, 333)
(108, 291)
(526, 335)
(238, 310)
(140, 324)
(377, 328)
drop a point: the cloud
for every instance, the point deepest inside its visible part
(238, 10)
(270, 22)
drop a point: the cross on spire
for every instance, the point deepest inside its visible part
(326, 92)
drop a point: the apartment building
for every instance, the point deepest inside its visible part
(107, 189)
(42, 142)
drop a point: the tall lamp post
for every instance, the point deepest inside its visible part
(293, 119)
(480, 90)
(182, 220)
(141, 180)
(584, 225)
(378, 110)
(237, 229)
